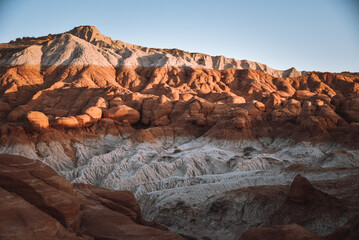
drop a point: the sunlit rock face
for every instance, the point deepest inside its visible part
(208, 145)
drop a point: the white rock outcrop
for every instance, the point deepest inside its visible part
(85, 45)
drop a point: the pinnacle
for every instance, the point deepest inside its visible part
(85, 32)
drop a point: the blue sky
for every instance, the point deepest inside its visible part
(320, 35)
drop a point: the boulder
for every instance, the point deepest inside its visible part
(94, 112)
(84, 120)
(122, 112)
(38, 120)
(235, 100)
(66, 122)
(101, 103)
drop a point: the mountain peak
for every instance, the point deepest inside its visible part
(85, 29)
(90, 34)
(291, 72)
(125, 54)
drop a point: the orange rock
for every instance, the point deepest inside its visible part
(42, 187)
(235, 99)
(38, 120)
(303, 94)
(165, 95)
(254, 107)
(66, 122)
(274, 101)
(101, 103)
(84, 120)
(94, 112)
(122, 112)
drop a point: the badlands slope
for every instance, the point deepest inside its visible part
(208, 145)
(85, 45)
(36, 203)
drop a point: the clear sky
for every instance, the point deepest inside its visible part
(320, 35)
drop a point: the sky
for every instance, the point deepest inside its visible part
(319, 35)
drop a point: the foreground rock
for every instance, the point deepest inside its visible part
(285, 232)
(349, 231)
(311, 208)
(206, 212)
(36, 203)
(38, 120)
(308, 213)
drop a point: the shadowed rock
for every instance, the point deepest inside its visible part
(311, 208)
(36, 203)
(285, 232)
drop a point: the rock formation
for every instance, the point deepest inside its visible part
(285, 232)
(349, 231)
(311, 208)
(196, 138)
(38, 120)
(36, 203)
(314, 209)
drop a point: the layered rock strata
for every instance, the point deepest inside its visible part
(36, 203)
(190, 135)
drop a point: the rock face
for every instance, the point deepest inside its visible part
(71, 75)
(285, 232)
(208, 145)
(301, 191)
(311, 208)
(351, 109)
(37, 203)
(348, 231)
(90, 39)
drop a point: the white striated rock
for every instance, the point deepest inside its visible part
(29, 56)
(193, 171)
(71, 50)
(26, 150)
(77, 48)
